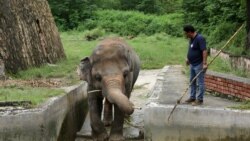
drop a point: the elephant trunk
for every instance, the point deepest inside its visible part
(115, 95)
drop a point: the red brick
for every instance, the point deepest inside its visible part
(226, 92)
(230, 85)
(208, 80)
(224, 80)
(208, 76)
(239, 83)
(245, 94)
(220, 83)
(245, 85)
(230, 81)
(213, 84)
(224, 84)
(235, 91)
(238, 88)
(218, 79)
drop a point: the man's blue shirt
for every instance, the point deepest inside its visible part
(196, 46)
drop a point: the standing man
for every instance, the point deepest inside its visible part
(197, 59)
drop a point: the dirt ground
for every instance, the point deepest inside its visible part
(143, 86)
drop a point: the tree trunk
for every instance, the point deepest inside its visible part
(248, 25)
(28, 35)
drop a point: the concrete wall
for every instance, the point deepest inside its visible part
(228, 84)
(237, 62)
(195, 124)
(59, 119)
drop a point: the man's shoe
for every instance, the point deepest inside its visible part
(190, 100)
(197, 102)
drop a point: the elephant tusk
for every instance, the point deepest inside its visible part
(93, 91)
(139, 108)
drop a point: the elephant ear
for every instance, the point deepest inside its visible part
(84, 69)
(129, 60)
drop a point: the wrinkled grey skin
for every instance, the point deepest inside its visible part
(112, 68)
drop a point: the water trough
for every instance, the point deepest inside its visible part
(57, 120)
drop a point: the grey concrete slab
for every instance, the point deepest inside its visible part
(171, 84)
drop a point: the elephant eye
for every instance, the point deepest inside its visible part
(98, 77)
(125, 73)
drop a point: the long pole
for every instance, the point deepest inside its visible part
(190, 83)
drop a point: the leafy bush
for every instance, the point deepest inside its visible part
(221, 32)
(94, 34)
(132, 23)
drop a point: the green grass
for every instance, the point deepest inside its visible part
(35, 95)
(159, 50)
(244, 106)
(224, 66)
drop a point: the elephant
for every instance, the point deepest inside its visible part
(111, 72)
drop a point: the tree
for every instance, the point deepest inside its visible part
(28, 35)
(129, 4)
(248, 25)
(69, 13)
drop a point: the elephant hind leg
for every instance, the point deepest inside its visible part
(108, 113)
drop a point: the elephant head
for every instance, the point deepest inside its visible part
(110, 68)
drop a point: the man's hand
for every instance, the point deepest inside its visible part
(187, 62)
(205, 67)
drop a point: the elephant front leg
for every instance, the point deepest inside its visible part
(108, 113)
(99, 132)
(116, 133)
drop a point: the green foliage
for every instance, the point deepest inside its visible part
(68, 13)
(245, 105)
(218, 20)
(109, 4)
(147, 6)
(129, 4)
(152, 6)
(221, 32)
(94, 34)
(135, 23)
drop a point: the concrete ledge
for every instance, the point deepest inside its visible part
(59, 119)
(195, 124)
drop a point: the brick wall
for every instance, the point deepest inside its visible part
(228, 84)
